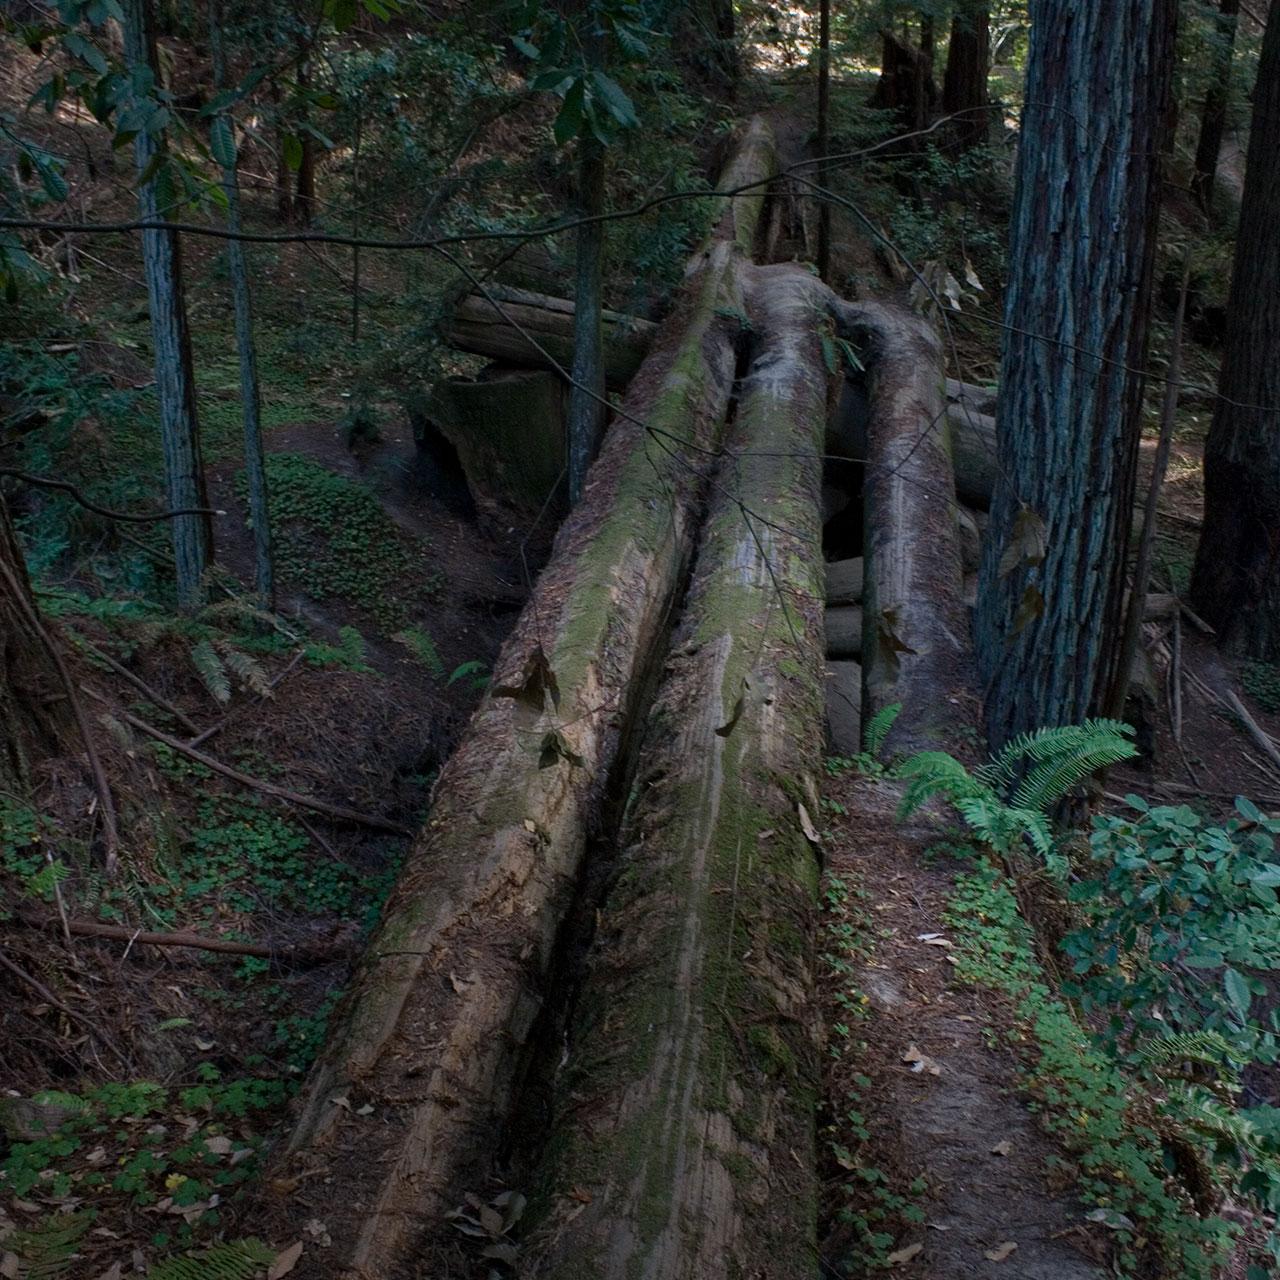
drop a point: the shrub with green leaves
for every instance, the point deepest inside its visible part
(1180, 916)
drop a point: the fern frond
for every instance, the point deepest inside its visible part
(936, 773)
(423, 647)
(351, 642)
(1208, 1048)
(209, 668)
(1210, 1117)
(48, 1248)
(1072, 754)
(245, 669)
(878, 727)
(236, 1260)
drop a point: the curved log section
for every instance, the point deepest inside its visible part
(486, 329)
(916, 647)
(685, 1145)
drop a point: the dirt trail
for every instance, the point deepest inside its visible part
(944, 1128)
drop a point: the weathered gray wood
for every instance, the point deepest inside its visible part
(844, 581)
(479, 326)
(843, 690)
(441, 1009)
(844, 631)
(916, 647)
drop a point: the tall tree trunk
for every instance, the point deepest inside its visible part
(824, 138)
(585, 415)
(584, 418)
(964, 85)
(1213, 117)
(304, 199)
(246, 348)
(175, 382)
(1236, 582)
(1051, 593)
(35, 717)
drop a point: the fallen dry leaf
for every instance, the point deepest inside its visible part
(9, 1266)
(900, 1257)
(285, 1261)
(1000, 1252)
(806, 825)
(218, 1145)
(1002, 1148)
(920, 1062)
(113, 1272)
(933, 940)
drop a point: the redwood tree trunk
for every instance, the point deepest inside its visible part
(175, 382)
(1236, 582)
(35, 717)
(1049, 612)
(964, 84)
(1213, 117)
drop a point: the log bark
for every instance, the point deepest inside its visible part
(478, 326)
(694, 1146)
(507, 429)
(433, 1030)
(915, 646)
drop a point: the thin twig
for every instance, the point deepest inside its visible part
(258, 784)
(1255, 730)
(45, 482)
(193, 941)
(138, 683)
(49, 998)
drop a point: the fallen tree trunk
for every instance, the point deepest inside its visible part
(915, 647)
(434, 1029)
(690, 1155)
(480, 326)
(971, 429)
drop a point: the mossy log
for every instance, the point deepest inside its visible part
(844, 581)
(915, 648)
(480, 326)
(434, 1030)
(684, 1143)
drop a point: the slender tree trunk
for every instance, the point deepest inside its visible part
(585, 416)
(284, 176)
(1236, 582)
(304, 200)
(1049, 615)
(824, 138)
(964, 85)
(246, 348)
(175, 382)
(35, 717)
(1213, 117)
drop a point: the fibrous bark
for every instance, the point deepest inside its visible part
(1076, 312)
(175, 382)
(906, 83)
(433, 1030)
(964, 83)
(915, 647)
(1236, 582)
(480, 326)
(694, 1144)
(35, 716)
(1213, 115)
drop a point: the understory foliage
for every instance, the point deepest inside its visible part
(1175, 925)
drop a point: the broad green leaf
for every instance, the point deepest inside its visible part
(615, 99)
(222, 142)
(1237, 988)
(293, 151)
